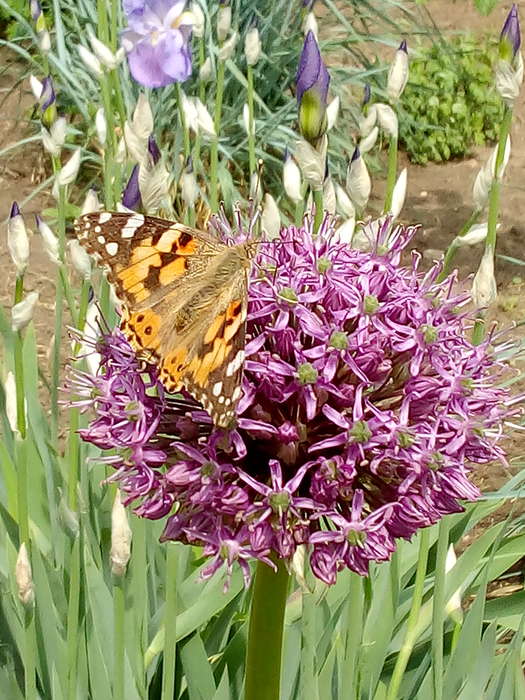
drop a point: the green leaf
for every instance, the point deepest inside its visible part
(485, 6)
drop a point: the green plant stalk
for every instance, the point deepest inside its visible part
(453, 247)
(299, 213)
(72, 636)
(391, 173)
(251, 122)
(103, 27)
(113, 27)
(265, 635)
(185, 129)
(202, 60)
(411, 628)
(492, 222)
(354, 627)
(170, 626)
(119, 644)
(214, 148)
(319, 210)
(438, 609)
(309, 639)
(29, 655)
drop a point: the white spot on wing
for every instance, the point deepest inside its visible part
(236, 394)
(104, 217)
(235, 364)
(132, 224)
(101, 240)
(112, 248)
(217, 388)
(97, 229)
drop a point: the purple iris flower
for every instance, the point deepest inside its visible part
(364, 409)
(157, 41)
(510, 38)
(312, 83)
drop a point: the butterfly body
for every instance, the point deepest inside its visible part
(184, 302)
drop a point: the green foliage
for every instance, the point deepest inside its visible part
(450, 103)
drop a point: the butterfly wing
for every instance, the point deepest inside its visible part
(184, 296)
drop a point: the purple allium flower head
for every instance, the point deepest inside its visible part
(510, 38)
(157, 41)
(364, 407)
(312, 82)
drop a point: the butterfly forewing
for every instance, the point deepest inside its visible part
(184, 296)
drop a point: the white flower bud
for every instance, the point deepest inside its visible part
(312, 162)
(79, 259)
(292, 179)
(18, 240)
(190, 113)
(453, 607)
(252, 46)
(205, 71)
(101, 125)
(509, 79)
(120, 538)
(90, 61)
(50, 241)
(484, 290)
(224, 22)
(153, 185)
(199, 21)
(227, 49)
(246, 120)
(91, 203)
(22, 313)
(368, 142)
(476, 234)
(121, 154)
(310, 25)
(344, 203)
(329, 198)
(24, 577)
(367, 123)
(11, 407)
(345, 232)
(397, 75)
(91, 335)
(44, 41)
(387, 119)
(486, 175)
(399, 194)
(358, 183)
(332, 112)
(298, 568)
(36, 86)
(204, 119)
(271, 217)
(143, 118)
(104, 54)
(69, 171)
(189, 188)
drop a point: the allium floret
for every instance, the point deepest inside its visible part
(364, 408)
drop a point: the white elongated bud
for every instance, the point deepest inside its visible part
(345, 232)
(344, 203)
(17, 240)
(204, 119)
(120, 552)
(453, 606)
(368, 142)
(329, 198)
(22, 313)
(398, 74)
(298, 568)
(79, 259)
(153, 185)
(49, 239)
(252, 46)
(90, 61)
(271, 217)
(190, 112)
(36, 86)
(332, 112)
(54, 139)
(91, 335)
(358, 183)
(101, 125)
(104, 54)
(387, 119)
(205, 71)
(24, 577)
(399, 194)
(199, 21)
(484, 290)
(486, 175)
(246, 120)
(189, 188)
(143, 118)
(44, 41)
(227, 49)
(312, 162)
(367, 123)
(224, 22)
(11, 408)
(121, 154)
(476, 234)
(310, 25)
(292, 179)
(91, 202)
(491, 164)
(509, 79)
(69, 171)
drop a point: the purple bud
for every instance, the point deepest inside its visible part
(355, 155)
(367, 94)
(131, 196)
(312, 81)
(35, 10)
(510, 38)
(15, 210)
(403, 46)
(47, 96)
(153, 149)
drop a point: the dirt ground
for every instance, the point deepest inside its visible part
(439, 196)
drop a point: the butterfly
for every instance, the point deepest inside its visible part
(184, 296)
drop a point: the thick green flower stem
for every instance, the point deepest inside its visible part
(412, 626)
(170, 626)
(451, 251)
(319, 210)
(251, 121)
(265, 635)
(214, 152)
(391, 173)
(353, 638)
(118, 636)
(438, 609)
(73, 603)
(309, 638)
